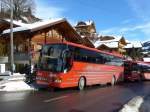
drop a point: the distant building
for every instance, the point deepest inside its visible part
(146, 48)
(111, 44)
(134, 50)
(136, 45)
(87, 30)
(146, 51)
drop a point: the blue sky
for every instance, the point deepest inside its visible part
(130, 18)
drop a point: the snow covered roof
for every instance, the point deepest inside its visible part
(147, 59)
(84, 23)
(34, 26)
(117, 38)
(18, 23)
(128, 42)
(134, 44)
(17, 29)
(89, 22)
(112, 44)
(145, 52)
(109, 44)
(82, 36)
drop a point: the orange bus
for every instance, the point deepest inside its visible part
(145, 70)
(66, 64)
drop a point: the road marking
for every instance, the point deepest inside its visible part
(54, 99)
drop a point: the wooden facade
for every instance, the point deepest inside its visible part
(27, 42)
(114, 45)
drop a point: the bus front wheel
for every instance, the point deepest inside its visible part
(81, 83)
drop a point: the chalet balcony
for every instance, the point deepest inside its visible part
(3, 59)
(21, 57)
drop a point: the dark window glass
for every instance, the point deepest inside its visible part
(89, 56)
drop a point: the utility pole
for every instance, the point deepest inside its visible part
(11, 39)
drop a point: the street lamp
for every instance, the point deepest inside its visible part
(11, 39)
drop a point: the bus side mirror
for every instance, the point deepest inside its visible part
(65, 70)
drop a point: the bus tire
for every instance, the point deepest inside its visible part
(113, 81)
(81, 83)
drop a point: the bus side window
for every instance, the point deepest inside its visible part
(77, 57)
(84, 58)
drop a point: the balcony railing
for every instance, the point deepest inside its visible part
(3, 59)
(21, 57)
(18, 58)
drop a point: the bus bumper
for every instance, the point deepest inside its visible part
(62, 85)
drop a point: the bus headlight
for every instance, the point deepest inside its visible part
(58, 80)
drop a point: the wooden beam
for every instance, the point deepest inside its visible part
(45, 37)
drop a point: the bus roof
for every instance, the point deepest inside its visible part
(85, 47)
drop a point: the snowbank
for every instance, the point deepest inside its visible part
(145, 107)
(133, 105)
(16, 76)
(15, 86)
(137, 104)
(15, 82)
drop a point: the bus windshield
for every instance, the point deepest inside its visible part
(51, 57)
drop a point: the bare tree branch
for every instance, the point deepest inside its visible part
(21, 8)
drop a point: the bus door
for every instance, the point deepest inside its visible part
(67, 60)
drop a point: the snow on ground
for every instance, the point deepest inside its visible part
(15, 86)
(15, 83)
(133, 105)
(137, 104)
(16, 76)
(145, 107)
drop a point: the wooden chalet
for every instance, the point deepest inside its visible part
(86, 29)
(28, 37)
(112, 45)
